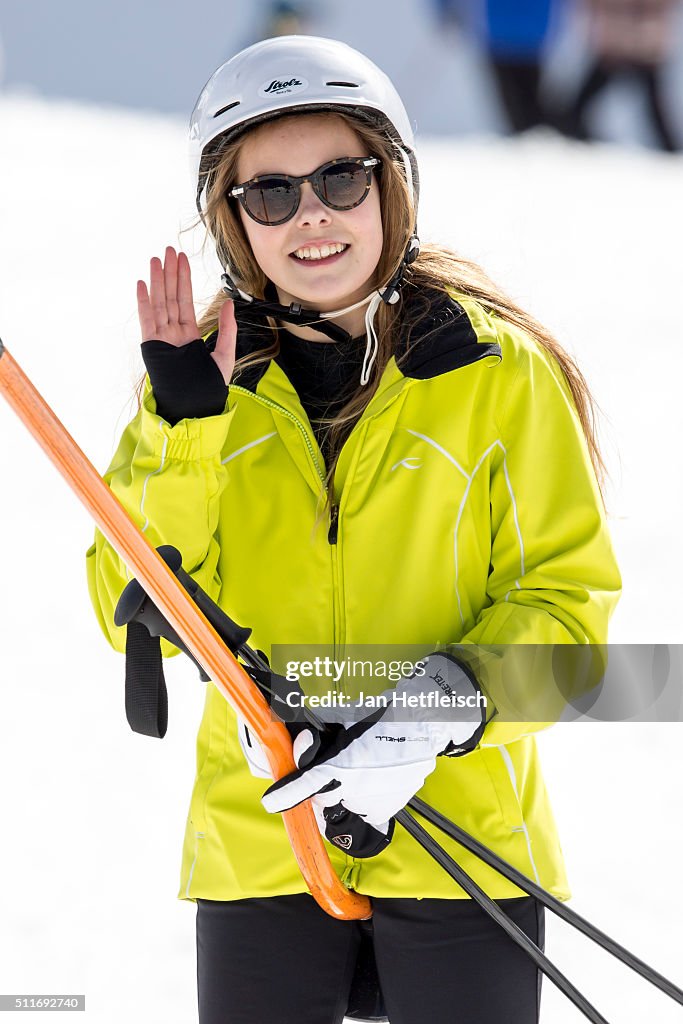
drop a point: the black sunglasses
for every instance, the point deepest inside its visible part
(274, 198)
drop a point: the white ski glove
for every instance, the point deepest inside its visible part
(253, 751)
(373, 767)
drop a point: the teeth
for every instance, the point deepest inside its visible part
(314, 253)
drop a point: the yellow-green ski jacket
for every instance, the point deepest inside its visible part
(467, 511)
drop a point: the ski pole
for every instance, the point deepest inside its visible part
(191, 624)
(428, 843)
(532, 889)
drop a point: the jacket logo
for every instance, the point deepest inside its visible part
(413, 462)
(343, 841)
(282, 86)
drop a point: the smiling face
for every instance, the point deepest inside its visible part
(297, 146)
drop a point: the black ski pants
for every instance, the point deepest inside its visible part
(519, 89)
(282, 960)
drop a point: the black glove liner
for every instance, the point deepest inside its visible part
(186, 382)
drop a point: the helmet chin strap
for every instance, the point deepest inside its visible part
(255, 309)
(251, 308)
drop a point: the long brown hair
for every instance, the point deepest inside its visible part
(436, 269)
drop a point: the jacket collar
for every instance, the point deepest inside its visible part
(453, 332)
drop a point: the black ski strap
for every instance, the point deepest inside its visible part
(146, 694)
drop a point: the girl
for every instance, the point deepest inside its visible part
(363, 442)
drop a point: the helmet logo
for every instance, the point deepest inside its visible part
(282, 86)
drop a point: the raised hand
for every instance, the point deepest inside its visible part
(166, 311)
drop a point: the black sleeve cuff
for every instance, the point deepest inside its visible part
(186, 382)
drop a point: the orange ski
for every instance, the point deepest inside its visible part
(192, 627)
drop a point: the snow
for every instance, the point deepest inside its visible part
(93, 815)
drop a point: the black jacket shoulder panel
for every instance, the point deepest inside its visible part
(443, 340)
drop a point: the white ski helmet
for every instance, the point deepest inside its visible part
(296, 73)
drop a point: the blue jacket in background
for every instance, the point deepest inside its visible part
(515, 29)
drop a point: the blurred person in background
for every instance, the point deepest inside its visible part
(279, 18)
(514, 37)
(628, 39)
(285, 19)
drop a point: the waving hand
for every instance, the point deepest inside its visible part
(166, 311)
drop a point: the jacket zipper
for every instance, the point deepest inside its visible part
(334, 521)
(351, 873)
(292, 417)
